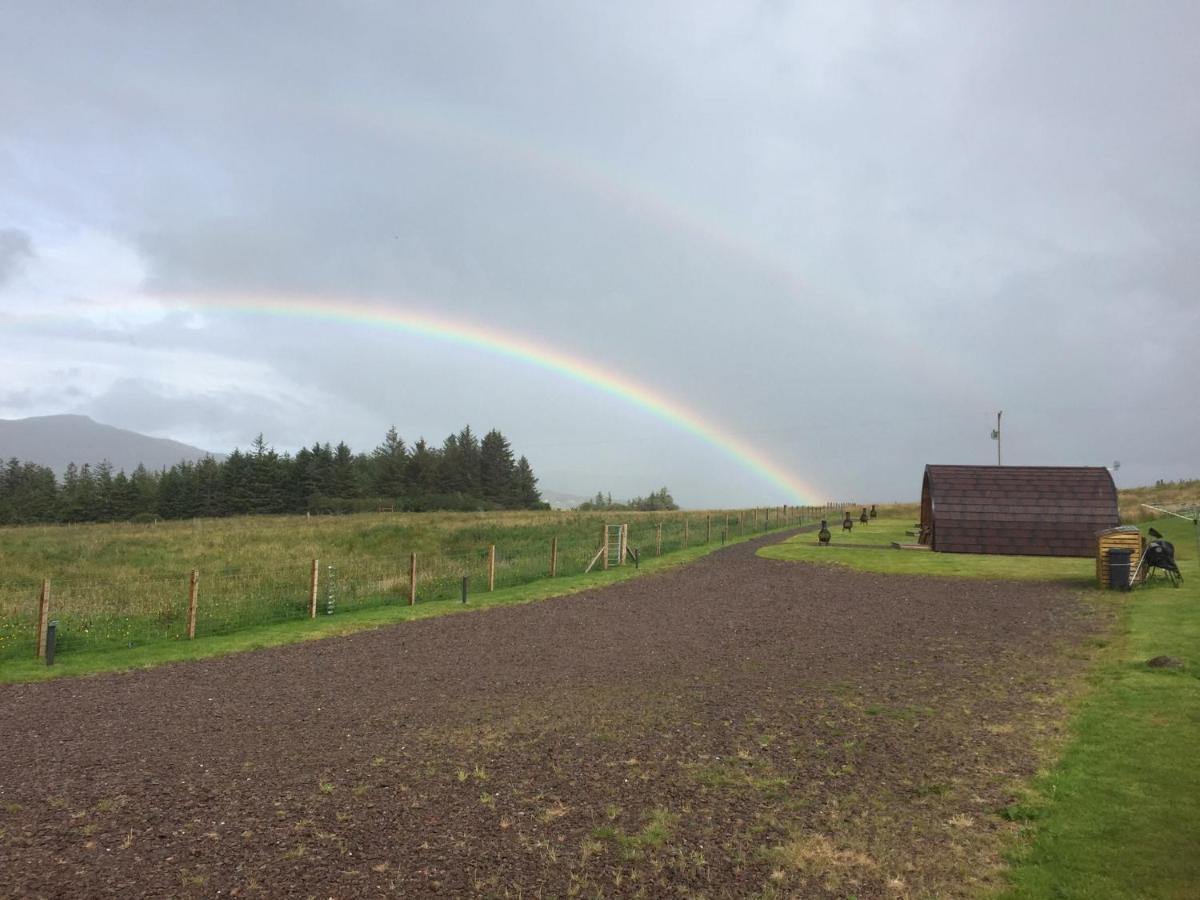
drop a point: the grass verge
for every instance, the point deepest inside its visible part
(296, 631)
(1119, 816)
(1119, 813)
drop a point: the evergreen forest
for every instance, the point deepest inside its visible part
(464, 473)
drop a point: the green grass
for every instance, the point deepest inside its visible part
(122, 586)
(1119, 814)
(110, 659)
(845, 549)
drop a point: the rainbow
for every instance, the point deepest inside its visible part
(443, 328)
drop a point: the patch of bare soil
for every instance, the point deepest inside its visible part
(736, 727)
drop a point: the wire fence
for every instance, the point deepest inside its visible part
(103, 614)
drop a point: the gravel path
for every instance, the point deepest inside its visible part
(738, 726)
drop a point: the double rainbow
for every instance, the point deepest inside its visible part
(443, 328)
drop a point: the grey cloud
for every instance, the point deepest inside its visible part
(16, 247)
(845, 232)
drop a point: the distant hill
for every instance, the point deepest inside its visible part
(559, 500)
(55, 441)
(1178, 496)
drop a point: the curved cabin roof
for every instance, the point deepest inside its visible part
(1026, 510)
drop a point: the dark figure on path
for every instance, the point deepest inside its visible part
(823, 535)
(847, 523)
(873, 513)
(863, 518)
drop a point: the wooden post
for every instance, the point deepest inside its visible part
(43, 617)
(756, 518)
(604, 547)
(554, 556)
(412, 579)
(193, 597)
(685, 532)
(624, 542)
(313, 579)
(491, 567)
(707, 529)
(658, 539)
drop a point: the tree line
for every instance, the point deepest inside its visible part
(464, 473)
(655, 501)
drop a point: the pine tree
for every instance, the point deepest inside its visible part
(348, 473)
(423, 470)
(389, 466)
(103, 504)
(209, 490)
(497, 470)
(237, 485)
(458, 471)
(144, 488)
(525, 485)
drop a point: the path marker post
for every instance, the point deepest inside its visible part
(193, 599)
(43, 617)
(313, 579)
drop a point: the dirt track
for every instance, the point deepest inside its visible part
(737, 727)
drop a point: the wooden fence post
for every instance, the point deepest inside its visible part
(604, 545)
(658, 539)
(554, 556)
(412, 579)
(312, 589)
(685, 532)
(43, 617)
(707, 529)
(193, 598)
(491, 567)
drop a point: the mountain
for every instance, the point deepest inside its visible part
(558, 500)
(55, 441)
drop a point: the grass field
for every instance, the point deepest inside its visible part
(1119, 815)
(850, 549)
(123, 587)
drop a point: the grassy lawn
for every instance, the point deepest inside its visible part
(87, 662)
(845, 549)
(1119, 814)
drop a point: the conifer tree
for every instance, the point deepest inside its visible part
(525, 485)
(390, 463)
(422, 470)
(497, 470)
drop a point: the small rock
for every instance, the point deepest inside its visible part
(1165, 662)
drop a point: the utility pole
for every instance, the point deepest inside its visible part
(996, 436)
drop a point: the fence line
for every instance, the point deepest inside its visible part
(133, 610)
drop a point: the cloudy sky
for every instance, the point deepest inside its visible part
(843, 234)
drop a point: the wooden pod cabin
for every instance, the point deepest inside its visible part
(1017, 510)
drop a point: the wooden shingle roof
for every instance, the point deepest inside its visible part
(1032, 510)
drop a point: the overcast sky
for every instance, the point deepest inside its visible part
(845, 233)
